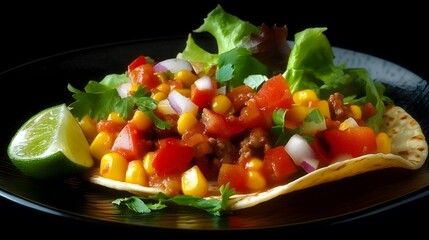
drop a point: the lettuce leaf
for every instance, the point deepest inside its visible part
(311, 66)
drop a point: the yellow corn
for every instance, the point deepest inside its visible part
(141, 120)
(186, 77)
(255, 180)
(147, 163)
(221, 104)
(384, 143)
(186, 121)
(89, 128)
(159, 96)
(101, 145)
(162, 76)
(323, 107)
(184, 91)
(356, 111)
(296, 114)
(304, 97)
(135, 173)
(116, 118)
(254, 164)
(113, 166)
(194, 183)
(163, 87)
(133, 88)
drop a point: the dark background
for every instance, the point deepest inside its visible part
(395, 32)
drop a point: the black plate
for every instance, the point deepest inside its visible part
(42, 83)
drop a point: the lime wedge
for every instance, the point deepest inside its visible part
(50, 145)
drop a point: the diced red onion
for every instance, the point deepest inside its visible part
(221, 90)
(204, 83)
(309, 164)
(181, 104)
(299, 149)
(173, 65)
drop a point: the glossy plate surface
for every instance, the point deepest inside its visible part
(43, 83)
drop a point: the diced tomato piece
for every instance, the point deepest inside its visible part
(368, 110)
(321, 152)
(221, 126)
(274, 93)
(277, 165)
(235, 175)
(128, 143)
(105, 125)
(140, 60)
(251, 116)
(172, 157)
(145, 76)
(203, 97)
(354, 141)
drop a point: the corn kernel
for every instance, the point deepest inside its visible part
(297, 114)
(163, 87)
(133, 87)
(221, 104)
(101, 145)
(147, 163)
(323, 107)
(186, 121)
(255, 180)
(159, 96)
(116, 118)
(254, 164)
(89, 128)
(304, 97)
(184, 91)
(384, 143)
(356, 111)
(186, 77)
(141, 120)
(135, 173)
(194, 182)
(113, 166)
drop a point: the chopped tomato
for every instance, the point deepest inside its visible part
(140, 60)
(234, 174)
(144, 75)
(172, 157)
(105, 125)
(321, 152)
(353, 141)
(239, 96)
(128, 143)
(274, 93)
(277, 165)
(251, 116)
(218, 125)
(203, 97)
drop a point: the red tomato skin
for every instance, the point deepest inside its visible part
(274, 93)
(218, 125)
(172, 157)
(128, 143)
(235, 175)
(145, 76)
(277, 165)
(203, 98)
(140, 60)
(355, 141)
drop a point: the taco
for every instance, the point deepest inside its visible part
(409, 151)
(233, 115)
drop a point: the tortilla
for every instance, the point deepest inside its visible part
(409, 151)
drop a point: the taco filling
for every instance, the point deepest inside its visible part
(261, 116)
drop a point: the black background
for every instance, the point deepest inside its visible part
(395, 32)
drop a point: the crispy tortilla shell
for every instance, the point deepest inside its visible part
(409, 151)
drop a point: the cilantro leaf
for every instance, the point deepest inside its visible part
(101, 98)
(160, 201)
